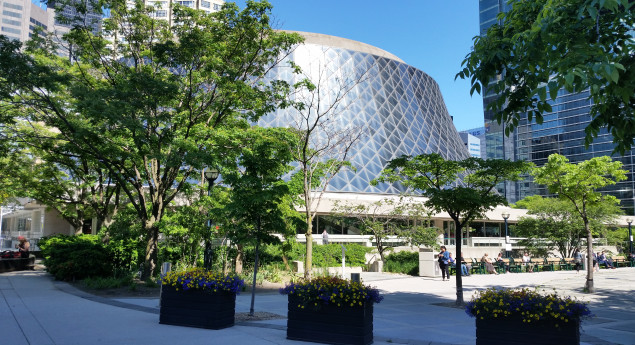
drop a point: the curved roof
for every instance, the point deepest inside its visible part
(334, 41)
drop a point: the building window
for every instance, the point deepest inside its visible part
(11, 22)
(205, 4)
(11, 14)
(38, 23)
(13, 6)
(161, 13)
(217, 7)
(189, 4)
(11, 30)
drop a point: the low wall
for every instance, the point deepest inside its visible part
(8, 265)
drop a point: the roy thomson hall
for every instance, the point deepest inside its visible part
(404, 113)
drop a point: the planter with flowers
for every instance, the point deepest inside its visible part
(199, 298)
(523, 316)
(331, 310)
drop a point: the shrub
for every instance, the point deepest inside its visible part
(76, 257)
(100, 283)
(403, 262)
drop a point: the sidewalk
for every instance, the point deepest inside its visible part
(35, 309)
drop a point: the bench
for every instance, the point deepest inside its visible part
(553, 263)
(568, 263)
(539, 264)
(621, 260)
(512, 264)
(477, 266)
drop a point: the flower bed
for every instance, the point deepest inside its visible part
(331, 310)
(526, 317)
(199, 298)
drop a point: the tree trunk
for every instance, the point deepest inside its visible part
(588, 287)
(457, 259)
(239, 259)
(150, 263)
(308, 260)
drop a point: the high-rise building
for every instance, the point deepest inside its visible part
(19, 18)
(472, 144)
(562, 132)
(163, 9)
(479, 133)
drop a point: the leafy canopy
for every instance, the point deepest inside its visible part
(543, 46)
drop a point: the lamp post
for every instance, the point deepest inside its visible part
(507, 244)
(211, 174)
(629, 220)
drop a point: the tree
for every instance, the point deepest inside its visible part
(555, 224)
(389, 217)
(543, 46)
(325, 144)
(578, 184)
(260, 199)
(157, 104)
(465, 189)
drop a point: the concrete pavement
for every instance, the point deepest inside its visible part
(35, 309)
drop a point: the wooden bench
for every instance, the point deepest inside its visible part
(478, 266)
(553, 263)
(568, 263)
(513, 266)
(539, 264)
(620, 260)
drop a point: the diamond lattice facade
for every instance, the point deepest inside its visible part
(400, 107)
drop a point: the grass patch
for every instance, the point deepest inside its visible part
(107, 283)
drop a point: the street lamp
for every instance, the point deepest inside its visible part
(629, 220)
(211, 174)
(507, 244)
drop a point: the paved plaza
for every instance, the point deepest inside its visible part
(35, 309)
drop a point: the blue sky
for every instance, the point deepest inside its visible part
(431, 35)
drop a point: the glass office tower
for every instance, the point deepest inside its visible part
(562, 131)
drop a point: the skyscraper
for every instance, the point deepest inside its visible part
(19, 18)
(562, 132)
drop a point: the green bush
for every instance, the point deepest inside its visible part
(403, 262)
(76, 257)
(329, 255)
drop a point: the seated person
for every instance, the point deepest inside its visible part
(527, 262)
(603, 259)
(465, 267)
(489, 267)
(501, 263)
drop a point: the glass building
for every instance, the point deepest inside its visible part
(562, 132)
(399, 107)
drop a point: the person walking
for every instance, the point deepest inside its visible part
(325, 237)
(444, 260)
(577, 259)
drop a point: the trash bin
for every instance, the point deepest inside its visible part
(428, 264)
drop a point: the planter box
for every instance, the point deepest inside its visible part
(514, 331)
(330, 324)
(197, 308)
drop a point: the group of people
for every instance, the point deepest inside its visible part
(600, 258)
(446, 261)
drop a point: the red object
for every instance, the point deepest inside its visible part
(8, 254)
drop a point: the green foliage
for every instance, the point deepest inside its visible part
(329, 255)
(124, 241)
(542, 46)
(76, 257)
(464, 189)
(578, 185)
(555, 223)
(124, 107)
(402, 262)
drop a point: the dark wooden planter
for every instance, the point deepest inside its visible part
(514, 331)
(330, 324)
(197, 308)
